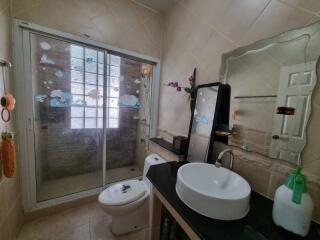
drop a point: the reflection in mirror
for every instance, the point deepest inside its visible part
(272, 84)
(202, 123)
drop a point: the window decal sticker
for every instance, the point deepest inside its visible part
(60, 99)
(56, 93)
(129, 101)
(45, 45)
(46, 60)
(137, 81)
(89, 60)
(41, 97)
(94, 93)
(202, 119)
(59, 73)
(79, 103)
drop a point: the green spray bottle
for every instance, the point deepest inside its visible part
(293, 206)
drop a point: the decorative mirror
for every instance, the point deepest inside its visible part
(205, 116)
(273, 83)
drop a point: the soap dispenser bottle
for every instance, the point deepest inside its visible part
(293, 206)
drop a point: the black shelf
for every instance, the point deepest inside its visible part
(165, 144)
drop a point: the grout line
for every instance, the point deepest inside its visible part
(145, 6)
(259, 15)
(298, 7)
(211, 27)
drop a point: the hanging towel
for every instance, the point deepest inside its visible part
(8, 154)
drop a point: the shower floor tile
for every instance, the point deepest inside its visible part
(86, 222)
(119, 174)
(64, 186)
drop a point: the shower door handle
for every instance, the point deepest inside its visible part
(29, 125)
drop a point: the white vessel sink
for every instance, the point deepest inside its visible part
(213, 192)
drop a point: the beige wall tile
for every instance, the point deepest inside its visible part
(165, 154)
(238, 17)
(256, 174)
(277, 179)
(276, 18)
(310, 5)
(119, 23)
(314, 192)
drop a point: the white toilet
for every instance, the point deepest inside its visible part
(128, 201)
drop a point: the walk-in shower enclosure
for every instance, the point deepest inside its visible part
(86, 111)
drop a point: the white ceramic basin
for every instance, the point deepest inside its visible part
(213, 192)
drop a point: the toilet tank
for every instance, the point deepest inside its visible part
(150, 160)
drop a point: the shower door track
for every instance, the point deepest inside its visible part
(22, 74)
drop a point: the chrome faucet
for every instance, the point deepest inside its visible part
(219, 159)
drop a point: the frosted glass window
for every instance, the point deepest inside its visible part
(90, 112)
(113, 102)
(100, 102)
(100, 123)
(100, 112)
(100, 68)
(101, 57)
(91, 67)
(87, 88)
(76, 123)
(90, 101)
(115, 60)
(77, 99)
(91, 55)
(114, 92)
(114, 71)
(76, 76)
(114, 81)
(76, 51)
(91, 78)
(100, 90)
(113, 123)
(90, 123)
(100, 80)
(76, 88)
(76, 111)
(77, 64)
(113, 112)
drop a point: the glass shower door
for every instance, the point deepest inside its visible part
(128, 98)
(68, 92)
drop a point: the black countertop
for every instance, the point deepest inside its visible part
(258, 224)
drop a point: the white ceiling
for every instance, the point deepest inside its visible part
(157, 5)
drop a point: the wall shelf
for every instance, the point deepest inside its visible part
(165, 144)
(256, 96)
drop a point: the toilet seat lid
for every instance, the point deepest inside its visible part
(123, 192)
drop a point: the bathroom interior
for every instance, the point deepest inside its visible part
(172, 119)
